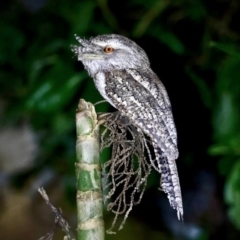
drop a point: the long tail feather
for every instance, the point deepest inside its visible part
(170, 181)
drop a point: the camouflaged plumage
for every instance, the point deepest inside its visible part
(124, 78)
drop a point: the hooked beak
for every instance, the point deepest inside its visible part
(87, 50)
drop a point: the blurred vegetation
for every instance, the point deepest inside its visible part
(194, 48)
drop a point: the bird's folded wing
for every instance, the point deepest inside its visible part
(138, 102)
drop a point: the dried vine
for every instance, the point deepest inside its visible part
(125, 173)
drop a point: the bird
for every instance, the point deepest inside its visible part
(121, 71)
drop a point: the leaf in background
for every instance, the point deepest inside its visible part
(11, 41)
(225, 164)
(61, 122)
(228, 48)
(232, 194)
(226, 117)
(218, 149)
(154, 10)
(196, 10)
(82, 16)
(38, 58)
(55, 91)
(168, 38)
(38, 66)
(202, 87)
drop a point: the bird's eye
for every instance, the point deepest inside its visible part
(108, 49)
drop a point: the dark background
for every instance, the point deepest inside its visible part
(193, 47)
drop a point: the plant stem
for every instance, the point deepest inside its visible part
(88, 171)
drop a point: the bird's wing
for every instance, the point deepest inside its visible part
(147, 106)
(135, 101)
(149, 80)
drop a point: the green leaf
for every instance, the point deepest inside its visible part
(229, 48)
(202, 87)
(82, 17)
(232, 194)
(196, 10)
(12, 40)
(218, 149)
(225, 164)
(168, 38)
(61, 122)
(226, 116)
(54, 93)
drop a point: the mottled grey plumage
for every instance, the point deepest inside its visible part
(124, 78)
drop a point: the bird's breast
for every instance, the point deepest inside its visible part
(100, 83)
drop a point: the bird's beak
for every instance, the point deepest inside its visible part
(88, 56)
(87, 50)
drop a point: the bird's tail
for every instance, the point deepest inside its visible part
(170, 181)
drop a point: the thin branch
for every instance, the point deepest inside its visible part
(59, 220)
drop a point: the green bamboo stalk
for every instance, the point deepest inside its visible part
(88, 171)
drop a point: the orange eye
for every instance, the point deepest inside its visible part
(108, 49)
